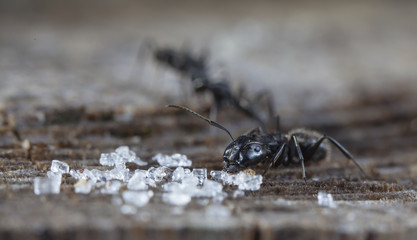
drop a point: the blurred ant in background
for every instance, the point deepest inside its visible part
(196, 70)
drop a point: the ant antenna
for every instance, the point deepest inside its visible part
(204, 118)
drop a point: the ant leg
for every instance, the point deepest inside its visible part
(275, 159)
(300, 156)
(346, 153)
(311, 150)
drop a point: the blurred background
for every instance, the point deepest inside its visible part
(310, 55)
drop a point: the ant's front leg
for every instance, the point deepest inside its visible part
(276, 157)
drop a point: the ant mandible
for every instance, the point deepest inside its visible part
(195, 68)
(274, 148)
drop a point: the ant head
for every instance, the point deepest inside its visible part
(243, 153)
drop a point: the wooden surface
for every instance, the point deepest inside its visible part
(70, 88)
(380, 207)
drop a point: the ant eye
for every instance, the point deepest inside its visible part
(257, 148)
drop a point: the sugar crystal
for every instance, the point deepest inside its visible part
(58, 166)
(102, 176)
(120, 157)
(150, 182)
(178, 174)
(210, 189)
(325, 200)
(122, 150)
(173, 187)
(139, 162)
(250, 182)
(44, 185)
(106, 159)
(136, 198)
(87, 175)
(137, 181)
(75, 174)
(190, 181)
(201, 174)
(217, 175)
(117, 160)
(83, 186)
(175, 160)
(128, 209)
(125, 155)
(119, 174)
(157, 174)
(176, 198)
(244, 181)
(54, 176)
(238, 193)
(111, 187)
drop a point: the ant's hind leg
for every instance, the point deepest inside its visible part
(311, 150)
(346, 153)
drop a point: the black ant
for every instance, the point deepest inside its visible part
(275, 149)
(195, 68)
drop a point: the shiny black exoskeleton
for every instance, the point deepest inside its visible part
(275, 149)
(195, 68)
